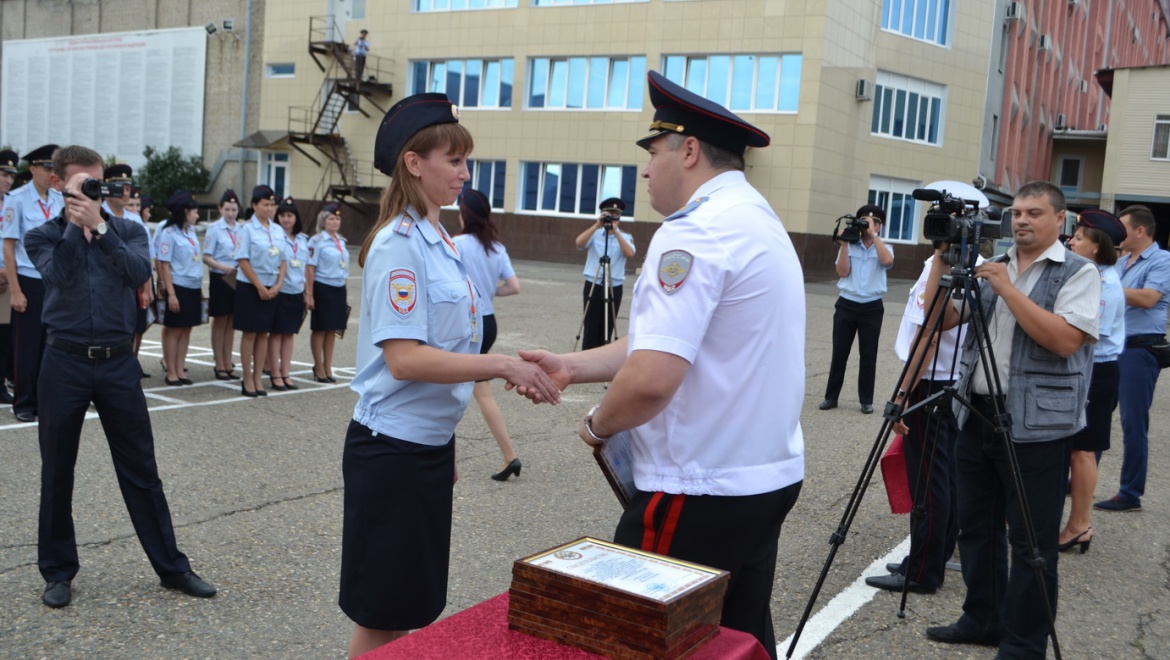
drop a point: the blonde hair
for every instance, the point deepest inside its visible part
(405, 190)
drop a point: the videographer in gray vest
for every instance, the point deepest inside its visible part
(1040, 303)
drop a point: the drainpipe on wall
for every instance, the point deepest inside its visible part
(244, 103)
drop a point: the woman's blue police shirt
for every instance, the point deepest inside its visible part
(296, 252)
(330, 258)
(262, 247)
(180, 249)
(220, 243)
(414, 287)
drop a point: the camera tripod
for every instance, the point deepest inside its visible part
(962, 285)
(609, 314)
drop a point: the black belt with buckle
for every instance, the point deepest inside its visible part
(91, 352)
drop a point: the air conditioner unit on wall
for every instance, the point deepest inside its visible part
(864, 90)
(1061, 122)
(1044, 43)
(1015, 11)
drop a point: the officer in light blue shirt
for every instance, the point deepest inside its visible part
(26, 209)
(262, 263)
(262, 245)
(604, 239)
(861, 267)
(417, 356)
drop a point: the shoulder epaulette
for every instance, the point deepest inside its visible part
(405, 223)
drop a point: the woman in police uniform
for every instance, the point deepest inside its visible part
(290, 302)
(261, 260)
(219, 253)
(325, 292)
(181, 276)
(418, 353)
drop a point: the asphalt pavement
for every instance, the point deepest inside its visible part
(255, 490)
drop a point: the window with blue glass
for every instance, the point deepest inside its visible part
(468, 83)
(586, 83)
(460, 5)
(487, 176)
(747, 83)
(896, 197)
(575, 188)
(928, 20)
(906, 108)
(553, 3)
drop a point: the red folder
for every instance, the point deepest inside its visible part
(894, 476)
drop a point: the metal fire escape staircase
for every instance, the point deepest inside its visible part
(317, 125)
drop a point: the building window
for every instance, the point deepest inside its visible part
(551, 3)
(1161, 149)
(750, 83)
(280, 70)
(896, 197)
(468, 83)
(274, 171)
(908, 109)
(487, 176)
(1069, 178)
(928, 20)
(595, 83)
(460, 5)
(575, 188)
(357, 10)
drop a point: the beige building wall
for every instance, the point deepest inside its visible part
(821, 158)
(33, 19)
(1138, 95)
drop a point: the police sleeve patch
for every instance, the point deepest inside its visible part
(164, 249)
(673, 268)
(403, 291)
(8, 214)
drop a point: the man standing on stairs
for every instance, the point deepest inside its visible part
(361, 48)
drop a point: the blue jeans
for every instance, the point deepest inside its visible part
(1006, 603)
(1139, 374)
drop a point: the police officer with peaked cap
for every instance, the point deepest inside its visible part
(8, 161)
(26, 209)
(604, 239)
(717, 443)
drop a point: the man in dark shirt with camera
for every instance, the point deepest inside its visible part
(92, 264)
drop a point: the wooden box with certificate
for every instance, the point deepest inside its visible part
(616, 601)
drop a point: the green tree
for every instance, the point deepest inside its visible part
(168, 171)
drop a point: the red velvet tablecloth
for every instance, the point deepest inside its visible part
(481, 632)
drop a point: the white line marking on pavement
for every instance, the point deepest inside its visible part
(843, 605)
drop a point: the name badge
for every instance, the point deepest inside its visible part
(296, 263)
(273, 251)
(195, 258)
(345, 264)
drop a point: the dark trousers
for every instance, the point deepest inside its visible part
(864, 321)
(29, 335)
(114, 388)
(930, 468)
(5, 352)
(999, 600)
(1139, 376)
(737, 534)
(593, 334)
(359, 65)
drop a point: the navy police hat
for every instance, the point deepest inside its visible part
(135, 193)
(476, 203)
(287, 205)
(874, 210)
(407, 117)
(42, 156)
(263, 192)
(612, 204)
(8, 161)
(147, 201)
(229, 195)
(332, 207)
(1104, 221)
(677, 110)
(120, 172)
(180, 201)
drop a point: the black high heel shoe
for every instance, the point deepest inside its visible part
(1068, 545)
(278, 388)
(245, 392)
(512, 469)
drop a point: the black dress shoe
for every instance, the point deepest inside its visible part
(26, 417)
(57, 594)
(894, 567)
(828, 404)
(513, 468)
(188, 583)
(953, 634)
(894, 582)
(867, 408)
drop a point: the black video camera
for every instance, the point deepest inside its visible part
(95, 189)
(608, 218)
(960, 223)
(852, 230)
